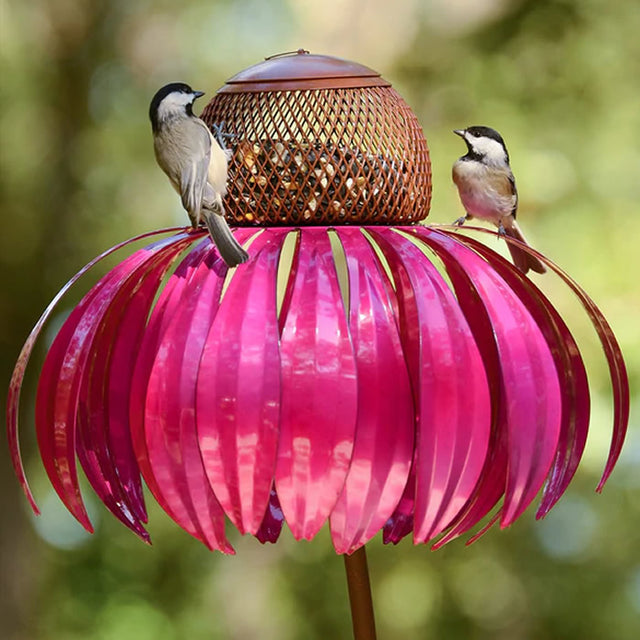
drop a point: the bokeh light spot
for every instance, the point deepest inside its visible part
(407, 597)
(58, 527)
(568, 530)
(133, 619)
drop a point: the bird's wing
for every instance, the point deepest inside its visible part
(194, 175)
(504, 186)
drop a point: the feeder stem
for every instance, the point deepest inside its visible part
(364, 625)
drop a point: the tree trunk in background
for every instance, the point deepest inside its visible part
(28, 284)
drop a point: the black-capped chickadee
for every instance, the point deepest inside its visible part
(487, 189)
(195, 163)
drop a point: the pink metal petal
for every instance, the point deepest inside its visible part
(160, 318)
(571, 372)
(530, 381)
(123, 333)
(186, 309)
(613, 354)
(319, 391)
(454, 411)
(104, 442)
(183, 492)
(13, 399)
(186, 336)
(60, 381)
(44, 410)
(202, 308)
(273, 520)
(490, 487)
(238, 397)
(385, 427)
(170, 402)
(289, 286)
(400, 524)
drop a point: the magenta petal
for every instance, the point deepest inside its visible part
(385, 426)
(44, 415)
(571, 372)
(13, 399)
(289, 286)
(238, 397)
(187, 335)
(159, 320)
(103, 431)
(492, 481)
(319, 391)
(400, 524)
(272, 522)
(126, 326)
(454, 411)
(104, 441)
(61, 378)
(170, 426)
(613, 354)
(244, 234)
(533, 398)
(202, 308)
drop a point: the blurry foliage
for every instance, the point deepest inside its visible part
(559, 78)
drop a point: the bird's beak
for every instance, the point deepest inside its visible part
(198, 94)
(459, 132)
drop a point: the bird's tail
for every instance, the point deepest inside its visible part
(523, 260)
(232, 253)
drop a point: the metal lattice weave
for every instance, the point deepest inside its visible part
(323, 157)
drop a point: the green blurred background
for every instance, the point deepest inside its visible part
(559, 78)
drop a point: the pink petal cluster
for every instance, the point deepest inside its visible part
(398, 399)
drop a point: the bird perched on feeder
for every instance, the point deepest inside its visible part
(195, 163)
(487, 189)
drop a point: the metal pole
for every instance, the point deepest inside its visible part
(364, 625)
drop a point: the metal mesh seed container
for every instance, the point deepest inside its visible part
(317, 140)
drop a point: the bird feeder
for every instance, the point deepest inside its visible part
(320, 141)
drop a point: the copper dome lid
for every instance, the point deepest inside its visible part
(303, 70)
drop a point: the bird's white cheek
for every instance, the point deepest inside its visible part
(491, 150)
(173, 104)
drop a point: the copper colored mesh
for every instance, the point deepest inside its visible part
(323, 157)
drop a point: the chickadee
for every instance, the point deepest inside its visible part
(487, 189)
(195, 163)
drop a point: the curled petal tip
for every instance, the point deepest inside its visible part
(32, 504)
(86, 523)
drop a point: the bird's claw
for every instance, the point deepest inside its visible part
(460, 221)
(501, 231)
(222, 136)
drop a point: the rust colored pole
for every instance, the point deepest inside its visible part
(362, 618)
